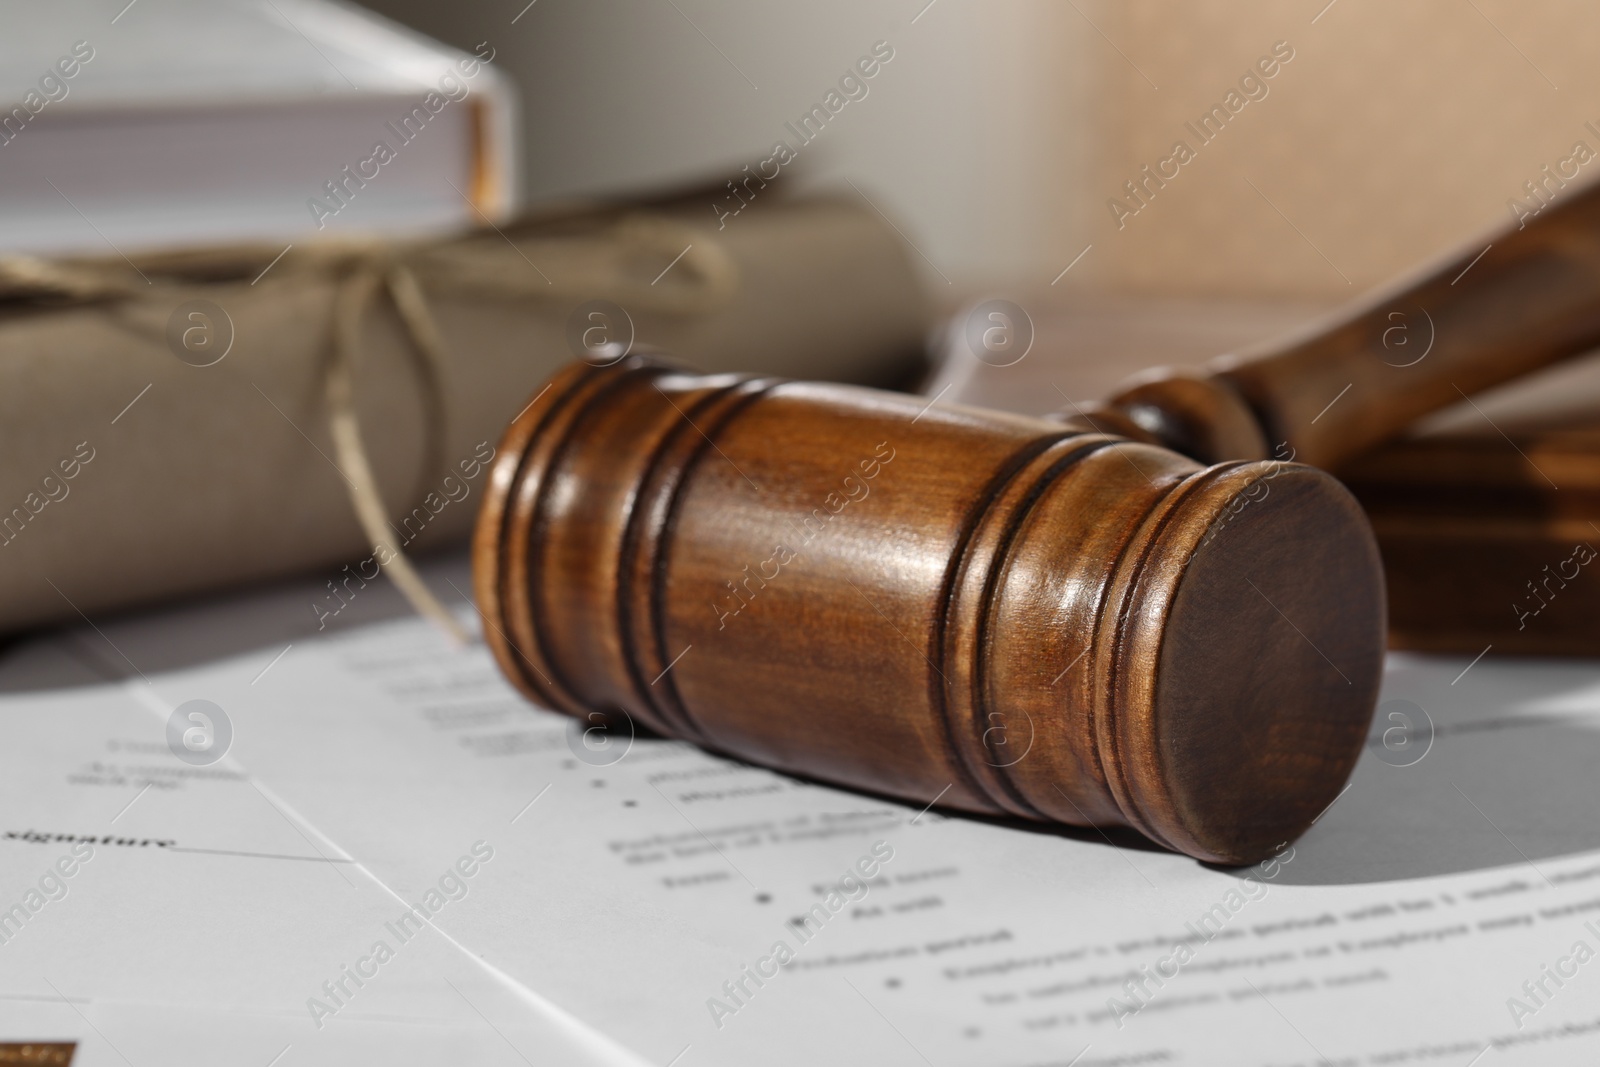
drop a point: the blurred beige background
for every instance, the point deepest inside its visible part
(1398, 132)
(967, 138)
(1001, 129)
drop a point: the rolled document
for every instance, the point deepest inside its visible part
(166, 419)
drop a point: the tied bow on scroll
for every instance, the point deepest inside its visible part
(376, 372)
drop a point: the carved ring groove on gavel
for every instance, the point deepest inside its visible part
(1006, 615)
(1010, 615)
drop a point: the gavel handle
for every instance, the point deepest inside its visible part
(1499, 309)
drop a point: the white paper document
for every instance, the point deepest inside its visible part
(398, 860)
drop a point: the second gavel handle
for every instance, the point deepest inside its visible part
(1502, 308)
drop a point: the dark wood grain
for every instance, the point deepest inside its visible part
(1476, 509)
(1489, 540)
(1505, 305)
(945, 604)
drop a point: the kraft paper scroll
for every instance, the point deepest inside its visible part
(129, 473)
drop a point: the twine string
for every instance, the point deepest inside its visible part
(365, 496)
(605, 254)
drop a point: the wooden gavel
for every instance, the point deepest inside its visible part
(1485, 316)
(1004, 615)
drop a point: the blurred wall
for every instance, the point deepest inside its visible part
(970, 139)
(1398, 132)
(1002, 131)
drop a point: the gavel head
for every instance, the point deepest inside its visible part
(999, 613)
